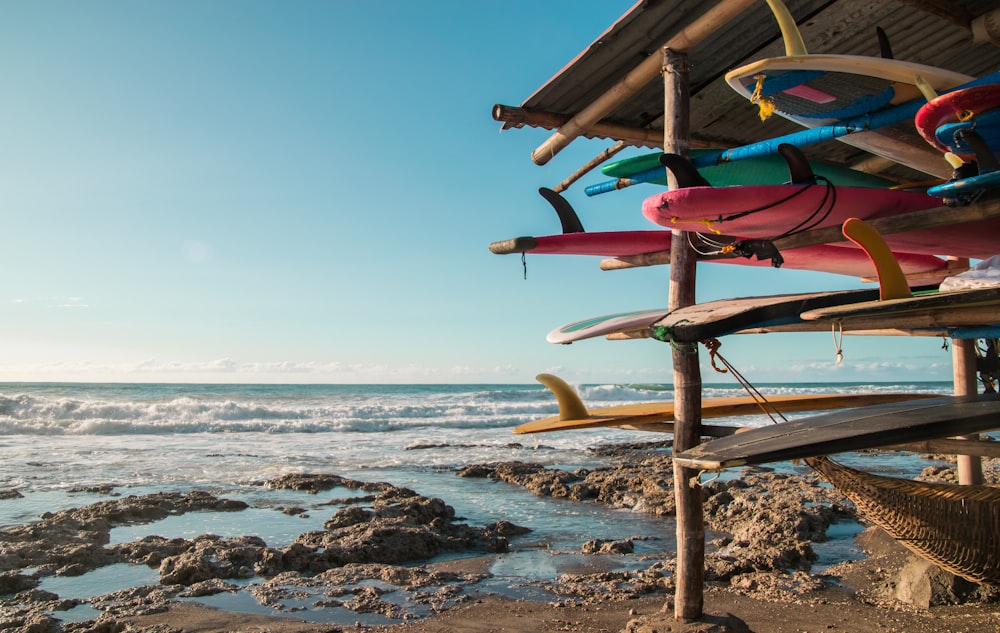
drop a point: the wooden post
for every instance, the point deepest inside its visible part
(963, 357)
(689, 594)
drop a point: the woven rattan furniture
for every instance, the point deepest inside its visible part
(954, 526)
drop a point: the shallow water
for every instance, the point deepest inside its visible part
(59, 441)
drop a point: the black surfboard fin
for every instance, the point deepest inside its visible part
(684, 171)
(884, 47)
(985, 157)
(567, 216)
(799, 170)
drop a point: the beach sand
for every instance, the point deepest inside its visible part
(829, 609)
(759, 577)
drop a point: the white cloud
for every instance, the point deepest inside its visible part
(231, 370)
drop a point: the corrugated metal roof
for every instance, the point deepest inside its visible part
(932, 32)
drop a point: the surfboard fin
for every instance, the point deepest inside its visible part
(567, 215)
(799, 170)
(891, 280)
(985, 158)
(884, 47)
(571, 407)
(790, 33)
(684, 171)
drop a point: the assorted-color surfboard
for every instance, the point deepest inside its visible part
(752, 171)
(829, 258)
(703, 321)
(938, 119)
(712, 319)
(764, 211)
(820, 90)
(815, 90)
(603, 243)
(871, 426)
(658, 416)
(788, 208)
(982, 301)
(966, 124)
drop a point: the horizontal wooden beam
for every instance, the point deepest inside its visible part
(515, 116)
(707, 430)
(979, 448)
(943, 9)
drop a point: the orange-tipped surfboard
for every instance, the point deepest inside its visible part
(659, 416)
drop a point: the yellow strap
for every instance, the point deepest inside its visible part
(709, 224)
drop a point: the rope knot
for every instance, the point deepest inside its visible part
(713, 345)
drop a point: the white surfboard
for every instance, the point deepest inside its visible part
(817, 90)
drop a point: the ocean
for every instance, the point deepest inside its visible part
(61, 442)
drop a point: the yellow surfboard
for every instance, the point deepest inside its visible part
(659, 416)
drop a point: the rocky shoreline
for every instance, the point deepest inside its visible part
(763, 526)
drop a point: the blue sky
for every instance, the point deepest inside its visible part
(265, 191)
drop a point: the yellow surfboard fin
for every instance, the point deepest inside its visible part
(571, 407)
(789, 30)
(891, 280)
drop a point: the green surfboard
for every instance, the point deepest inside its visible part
(751, 171)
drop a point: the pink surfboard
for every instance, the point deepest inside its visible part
(976, 240)
(768, 211)
(841, 259)
(603, 244)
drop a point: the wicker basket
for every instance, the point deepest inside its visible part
(956, 527)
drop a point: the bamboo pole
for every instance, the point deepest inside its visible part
(589, 165)
(600, 158)
(704, 26)
(963, 355)
(514, 116)
(689, 594)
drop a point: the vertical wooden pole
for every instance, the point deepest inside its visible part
(689, 594)
(963, 358)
